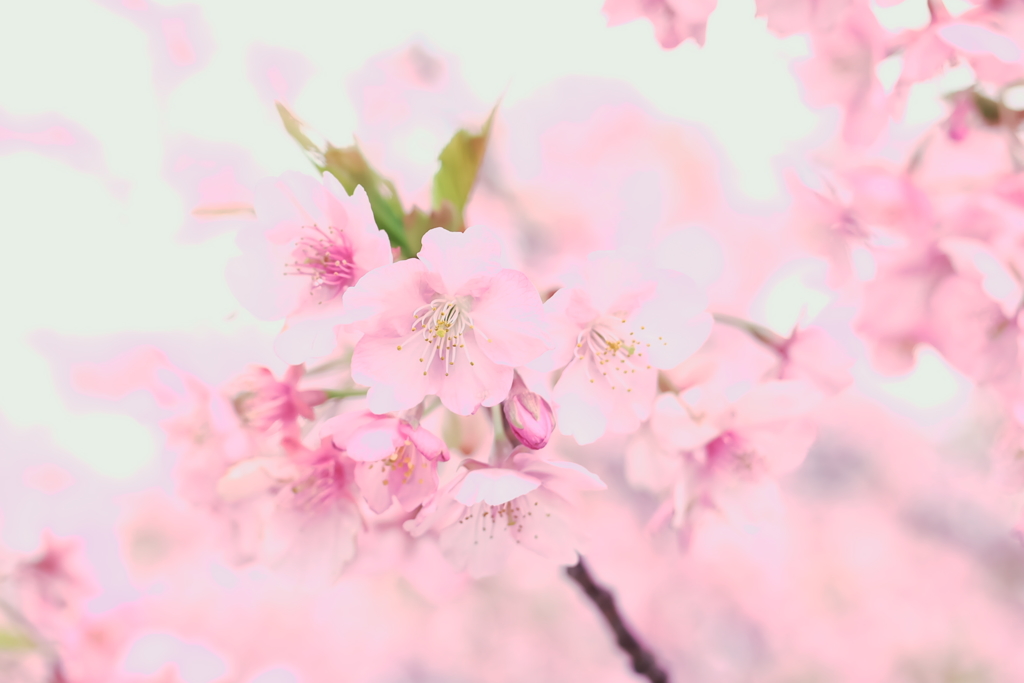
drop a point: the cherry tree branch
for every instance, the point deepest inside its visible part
(643, 661)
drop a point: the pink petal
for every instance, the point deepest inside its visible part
(477, 543)
(494, 486)
(311, 547)
(253, 476)
(674, 426)
(772, 402)
(385, 298)
(647, 465)
(341, 427)
(579, 408)
(567, 313)
(374, 443)
(301, 341)
(508, 318)
(371, 478)
(395, 377)
(975, 39)
(426, 443)
(459, 257)
(542, 526)
(467, 386)
(371, 247)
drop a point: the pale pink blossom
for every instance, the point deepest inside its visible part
(393, 458)
(694, 449)
(786, 17)
(311, 242)
(208, 437)
(895, 315)
(452, 322)
(841, 71)
(53, 585)
(813, 355)
(307, 508)
(674, 21)
(614, 327)
(486, 511)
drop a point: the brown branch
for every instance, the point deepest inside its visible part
(643, 661)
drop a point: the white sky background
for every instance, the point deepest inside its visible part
(89, 254)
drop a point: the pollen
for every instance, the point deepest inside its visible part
(440, 326)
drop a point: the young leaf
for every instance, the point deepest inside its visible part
(351, 168)
(13, 640)
(294, 128)
(460, 163)
(418, 222)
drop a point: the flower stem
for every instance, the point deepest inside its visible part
(344, 393)
(758, 332)
(643, 661)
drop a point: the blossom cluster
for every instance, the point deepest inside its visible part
(523, 366)
(454, 328)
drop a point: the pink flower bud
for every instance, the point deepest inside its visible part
(529, 416)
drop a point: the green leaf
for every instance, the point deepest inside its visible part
(352, 170)
(15, 641)
(460, 163)
(418, 222)
(294, 128)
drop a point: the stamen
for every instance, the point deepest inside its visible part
(326, 258)
(441, 325)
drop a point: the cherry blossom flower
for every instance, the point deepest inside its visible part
(452, 322)
(309, 518)
(614, 327)
(842, 71)
(674, 20)
(265, 404)
(896, 312)
(485, 511)
(786, 17)
(54, 584)
(393, 458)
(694, 450)
(311, 242)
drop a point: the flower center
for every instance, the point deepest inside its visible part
(441, 325)
(326, 257)
(612, 350)
(325, 482)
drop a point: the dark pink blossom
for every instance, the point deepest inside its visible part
(266, 404)
(393, 458)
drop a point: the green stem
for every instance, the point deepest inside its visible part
(498, 422)
(431, 408)
(344, 393)
(758, 332)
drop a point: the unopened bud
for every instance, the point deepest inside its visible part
(529, 416)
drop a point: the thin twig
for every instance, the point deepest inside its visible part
(643, 661)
